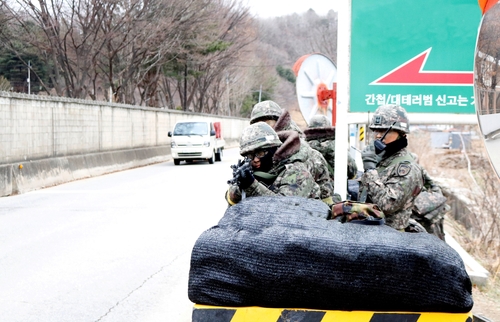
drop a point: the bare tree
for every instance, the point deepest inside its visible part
(197, 73)
(63, 33)
(97, 45)
(323, 37)
(154, 38)
(230, 38)
(201, 55)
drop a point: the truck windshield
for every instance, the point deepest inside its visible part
(191, 128)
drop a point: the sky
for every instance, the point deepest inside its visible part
(276, 8)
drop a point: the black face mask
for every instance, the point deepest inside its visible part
(395, 146)
(266, 162)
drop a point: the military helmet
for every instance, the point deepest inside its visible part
(319, 120)
(392, 114)
(258, 136)
(265, 110)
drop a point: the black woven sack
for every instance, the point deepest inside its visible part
(281, 252)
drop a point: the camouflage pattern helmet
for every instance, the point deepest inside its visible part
(258, 136)
(319, 120)
(387, 115)
(265, 110)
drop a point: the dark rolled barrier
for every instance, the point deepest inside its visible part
(282, 252)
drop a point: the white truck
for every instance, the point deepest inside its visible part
(196, 140)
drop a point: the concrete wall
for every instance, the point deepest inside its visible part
(46, 140)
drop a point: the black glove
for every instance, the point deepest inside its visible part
(246, 177)
(236, 173)
(370, 158)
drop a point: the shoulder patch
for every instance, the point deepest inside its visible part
(403, 169)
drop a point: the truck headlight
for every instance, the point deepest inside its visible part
(206, 143)
(173, 144)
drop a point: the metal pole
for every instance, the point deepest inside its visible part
(29, 75)
(227, 90)
(185, 86)
(341, 128)
(260, 92)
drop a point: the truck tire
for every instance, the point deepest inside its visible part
(218, 155)
(212, 158)
(177, 161)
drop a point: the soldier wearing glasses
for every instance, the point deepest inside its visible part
(277, 166)
(280, 120)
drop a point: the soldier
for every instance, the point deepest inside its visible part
(392, 179)
(430, 206)
(271, 113)
(278, 166)
(321, 136)
(280, 120)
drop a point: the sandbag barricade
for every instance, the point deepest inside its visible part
(281, 252)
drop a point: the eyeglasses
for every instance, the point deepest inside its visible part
(258, 154)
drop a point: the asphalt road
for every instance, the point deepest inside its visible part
(111, 248)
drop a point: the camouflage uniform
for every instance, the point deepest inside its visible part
(393, 187)
(316, 163)
(321, 136)
(288, 176)
(285, 123)
(430, 206)
(398, 178)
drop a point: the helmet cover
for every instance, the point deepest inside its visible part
(258, 136)
(393, 115)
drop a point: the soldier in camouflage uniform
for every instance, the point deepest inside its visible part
(430, 206)
(271, 113)
(280, 120)
(278, 166)
(392, 179)
(321, 136)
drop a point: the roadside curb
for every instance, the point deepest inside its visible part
(25, 176)
(477, 273)
(21, 177)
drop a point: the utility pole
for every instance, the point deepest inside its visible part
(29, 75)
(227, 90)
(185, 86)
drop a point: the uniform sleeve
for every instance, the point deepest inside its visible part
(352, 168)
(393, 193)
(295, 180)
(322, 176)
(429, 184)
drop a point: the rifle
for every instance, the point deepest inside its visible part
(236, 173)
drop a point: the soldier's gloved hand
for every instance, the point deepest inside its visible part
(246, 176)
(233, 195)
(370, 158)
(436, 188)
